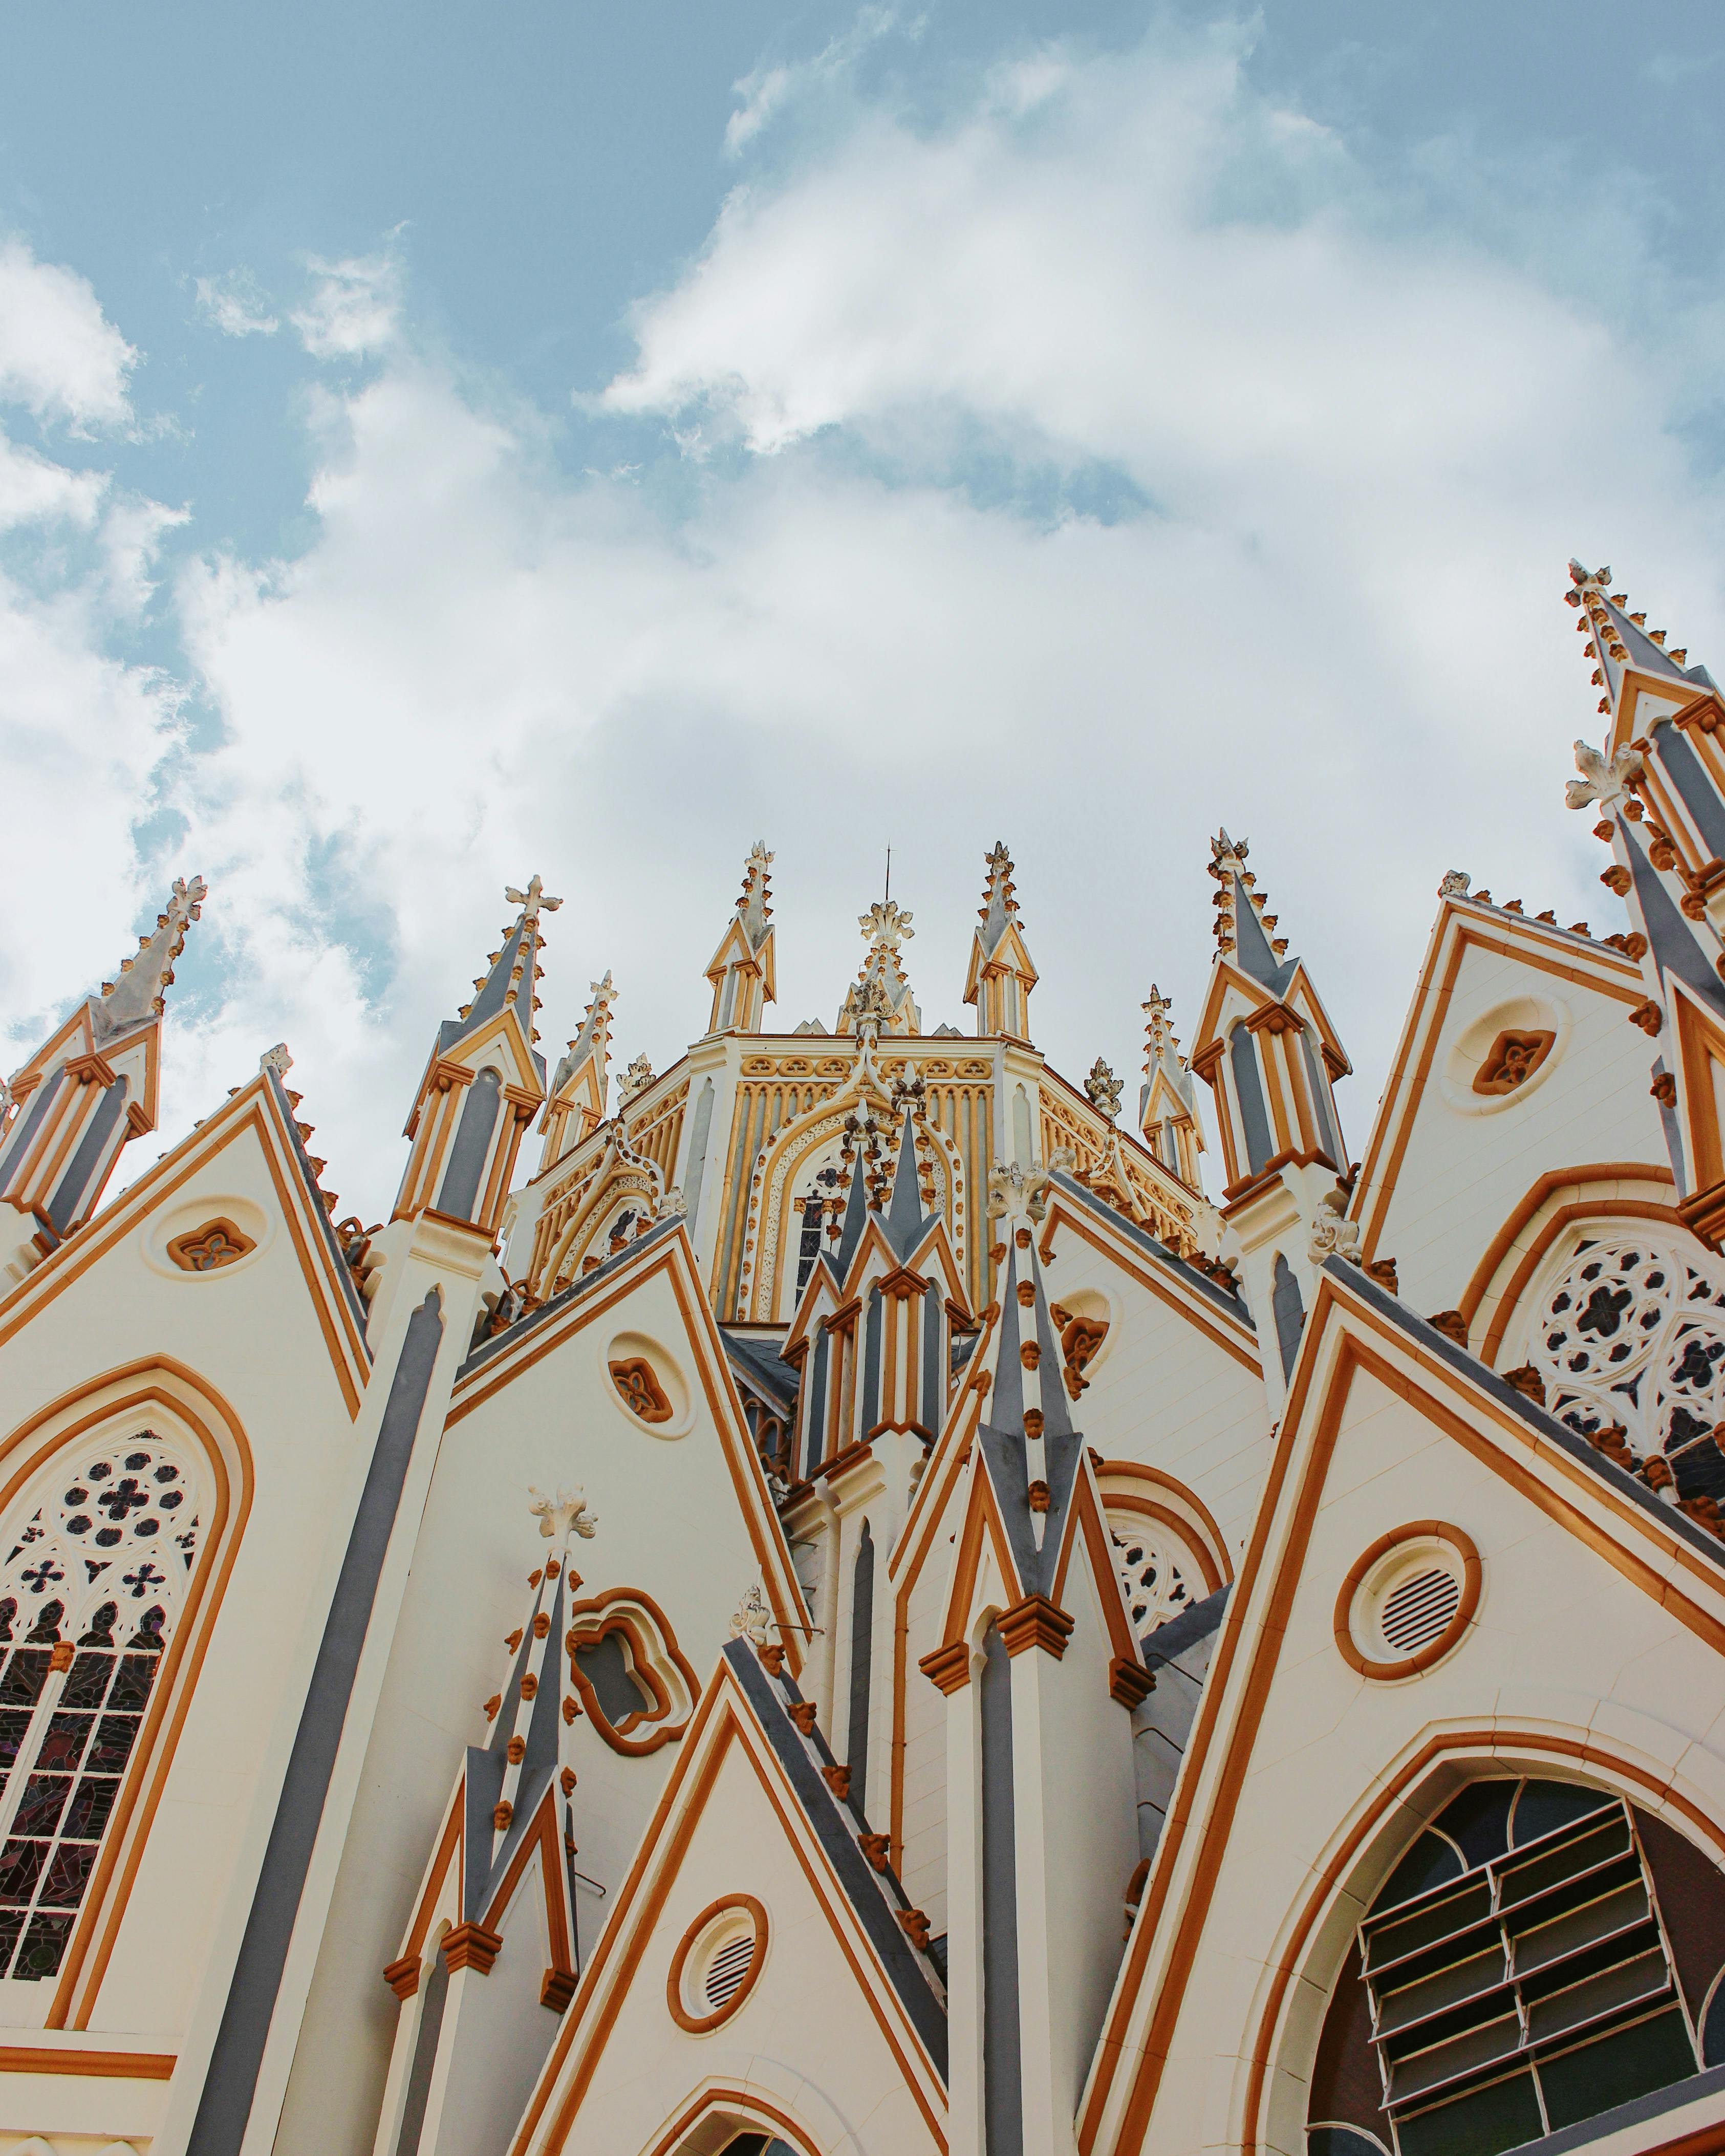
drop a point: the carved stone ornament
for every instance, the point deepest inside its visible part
(1607, 784)
(208, 1249)
(1104, 1089)
(751, 1619)
(566, 1515)
(1511, 1060)
(635, 1079)
(638, 1384)
(1331, 1234)
(1454, 883)
(277, 1060)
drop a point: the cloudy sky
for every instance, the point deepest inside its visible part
(443, 443)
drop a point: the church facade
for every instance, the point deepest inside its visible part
(829, 1601)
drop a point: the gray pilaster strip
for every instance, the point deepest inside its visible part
(64, 1207)
(1002, 2087)
(862, 1655)
(1243, 1061)
(431, 2022)
(24, 1130)
(473, 1142)
(1289, 1311)
(232, 2078)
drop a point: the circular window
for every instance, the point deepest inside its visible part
(1409, 1600)
(1505, 1054)
(717, 1964)
(648, 1384)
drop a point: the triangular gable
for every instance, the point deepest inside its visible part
(1463, 924)
(1612, 1526)
(747, 1814)
(259, 1111)
(734, 950)
(1009, 953)
(1215, 1313)
(664, 1250)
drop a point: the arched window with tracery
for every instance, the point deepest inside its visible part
(1629, 1338)
(1155, 1570)
(95, 1559)
(1543, 1953)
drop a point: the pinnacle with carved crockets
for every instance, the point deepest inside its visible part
(1104, 1089)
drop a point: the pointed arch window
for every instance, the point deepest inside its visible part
(95, 1559)
(1543, 1953)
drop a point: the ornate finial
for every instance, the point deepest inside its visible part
(1021, 1194)
(531, 900)
(751, 1619)
(1332, 1235)
(886, 925)
(1104, 1089)
(1607, 784)
(138, 990)
(672, 1206)
(1454, 883)
(567, 1514)
(635, 1079)
(276, 1059)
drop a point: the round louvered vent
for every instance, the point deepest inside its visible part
(717, 1964)
(1409, 1600)
(1418, 1609)
(730, 1965)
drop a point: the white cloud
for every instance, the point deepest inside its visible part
(355, 308)
(235, 306)
(767, 91)
(60, 355)
(1336, 626)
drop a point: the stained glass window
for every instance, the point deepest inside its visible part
(96, 1558)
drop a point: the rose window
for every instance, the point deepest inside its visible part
(1631, 1335)
(1155, 1585)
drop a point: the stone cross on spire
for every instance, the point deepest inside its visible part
(531, 900)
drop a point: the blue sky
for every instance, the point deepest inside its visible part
(441, 443)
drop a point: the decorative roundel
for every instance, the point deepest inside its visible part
(1408, 1601)
(716, 1965)
(120, 1498)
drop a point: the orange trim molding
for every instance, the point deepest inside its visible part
(698, 2025)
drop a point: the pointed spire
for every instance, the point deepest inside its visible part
(137, 995)
(1243, 928)
(1168, 1102)
(1001, 975)
(741, 970)
(509, 1777)
(90, 1087)
(482, 1084)
(881, 985)
(576, 1104)
(1029, 1449)
(753, 909)
(514, 972)
(1628, 657)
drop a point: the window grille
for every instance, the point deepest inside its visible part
(94, 1566)
(1417, 1611)
(1516, 1998)
(730, 1965)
